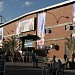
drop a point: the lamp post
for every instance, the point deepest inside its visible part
(61, 17)
(8, 31)
(57, 20)
(2, 19)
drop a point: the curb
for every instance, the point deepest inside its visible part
(69, 71)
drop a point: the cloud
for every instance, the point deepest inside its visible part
(27, 3)
(1, 6)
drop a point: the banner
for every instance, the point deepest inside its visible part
(73, 23)
(41, 30)
(28, 25)
(25, 25)
(73, 15)
(1, 37)
(18, 28)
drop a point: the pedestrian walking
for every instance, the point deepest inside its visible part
(54, 67)
(67, 64)
(60, 69)
(34, 59)
(65, 57)
(54, 57)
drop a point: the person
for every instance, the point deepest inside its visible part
(65, 57)
(54, 57)
(34, 59)
(54, 66)
(73, 56)
(60, 69)
(68, 63)
(24, 56)
(53, 60)
(28, 57)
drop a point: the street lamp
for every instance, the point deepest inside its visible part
(8, 32)
(2, 19)
(57, 20)
(61, 17)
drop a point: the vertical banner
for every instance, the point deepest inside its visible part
(41, 30)
(73, 15)
(1, 37)
(73, 23)
(18, 28)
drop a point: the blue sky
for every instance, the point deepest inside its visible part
(11, 9)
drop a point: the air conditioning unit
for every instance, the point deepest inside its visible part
(68, 27)
(48, 30)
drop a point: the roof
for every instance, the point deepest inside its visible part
(36, 11)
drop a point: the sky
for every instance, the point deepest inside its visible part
(11, 9)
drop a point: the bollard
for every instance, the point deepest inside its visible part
(44, 70)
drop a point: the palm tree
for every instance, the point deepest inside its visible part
(9, 45)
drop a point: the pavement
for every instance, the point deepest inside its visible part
(24, 65)
(18, 64)
(28, 65)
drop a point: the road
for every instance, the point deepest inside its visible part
(29, 72)
(27, 69)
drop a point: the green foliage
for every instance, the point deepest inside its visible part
(6, 46)
(70, 43)
(9, 44)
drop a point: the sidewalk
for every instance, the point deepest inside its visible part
(29, 65)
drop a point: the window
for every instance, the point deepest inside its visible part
(28, 43)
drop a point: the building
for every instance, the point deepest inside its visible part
(46, 25)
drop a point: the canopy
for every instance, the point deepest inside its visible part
(29, 37)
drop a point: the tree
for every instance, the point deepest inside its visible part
(9, 45)
(71, 45)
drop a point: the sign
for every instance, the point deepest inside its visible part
(41, 30)
(28, 43)
(28, 25)
(73, 15)
(18, 28)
